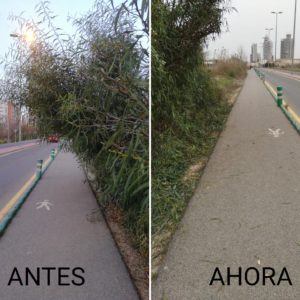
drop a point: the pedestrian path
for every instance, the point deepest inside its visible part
(245, 212)
(60, 228)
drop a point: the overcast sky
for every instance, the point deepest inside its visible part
(247, 25)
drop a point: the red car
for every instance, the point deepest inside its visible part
(53, 138)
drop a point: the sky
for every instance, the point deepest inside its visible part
(247, 26)
(62, 8)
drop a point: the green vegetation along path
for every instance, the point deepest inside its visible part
(245, 212)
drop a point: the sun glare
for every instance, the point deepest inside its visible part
(29, 36)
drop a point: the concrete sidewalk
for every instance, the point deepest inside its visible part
(245, 212)
(66, 231)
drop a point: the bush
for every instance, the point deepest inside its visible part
(92, 89)
(187, 106)
(233, 67)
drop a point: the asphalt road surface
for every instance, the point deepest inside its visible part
(17, 167)
(61, 227)
(17, 144)
(291, 87)
(245, 211)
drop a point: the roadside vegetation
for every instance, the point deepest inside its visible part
(190, 106)
(229, 74)
(293, 68)
(91, 88)
(28, 133)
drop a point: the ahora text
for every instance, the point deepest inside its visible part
(251, 276)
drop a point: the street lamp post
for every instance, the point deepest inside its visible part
(15, 35)
(20, 125)
(29, 37)
(269, 30)
(8, 127)
(276, 13)
(294, 33)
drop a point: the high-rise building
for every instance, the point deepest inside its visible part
(254, 54)
(268, 49)
(286, 47)
(7, 111)
(3, 112)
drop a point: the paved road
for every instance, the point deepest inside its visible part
(72, 233)
(17, 167)
(291, 86)
(292, 72)
(17, 144)
(245, 212)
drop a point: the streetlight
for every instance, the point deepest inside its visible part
(276, 13)
(15, 35)
(29, 37)
(269, 30)
(294, 33)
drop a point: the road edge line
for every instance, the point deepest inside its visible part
(7, 218)
(286, 109)
(17, 150)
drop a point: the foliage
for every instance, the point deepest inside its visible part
(179, 30)
(188, 109)
(173, 154)
(295, 67)
(232, 67)
(92, 89)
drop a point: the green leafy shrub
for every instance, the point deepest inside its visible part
(187, 105)
(92, 89)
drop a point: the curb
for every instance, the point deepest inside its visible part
(15, 208)
(134, 279)
(291, 118)
(12, 212)
(282, 107)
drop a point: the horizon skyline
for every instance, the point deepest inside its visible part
(243, 32)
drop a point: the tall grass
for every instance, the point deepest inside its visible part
(230, 67)
(188, 109)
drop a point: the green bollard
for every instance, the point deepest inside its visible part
(53, 154)
(39, 166)
(279, 96)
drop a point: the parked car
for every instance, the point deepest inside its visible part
(53, 138)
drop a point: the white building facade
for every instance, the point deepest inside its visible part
(254, 55)
(267, 49)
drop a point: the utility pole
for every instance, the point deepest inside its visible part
(277, 13)
(8, 129)
(29, 37)
(294, 33)
(20, 125)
